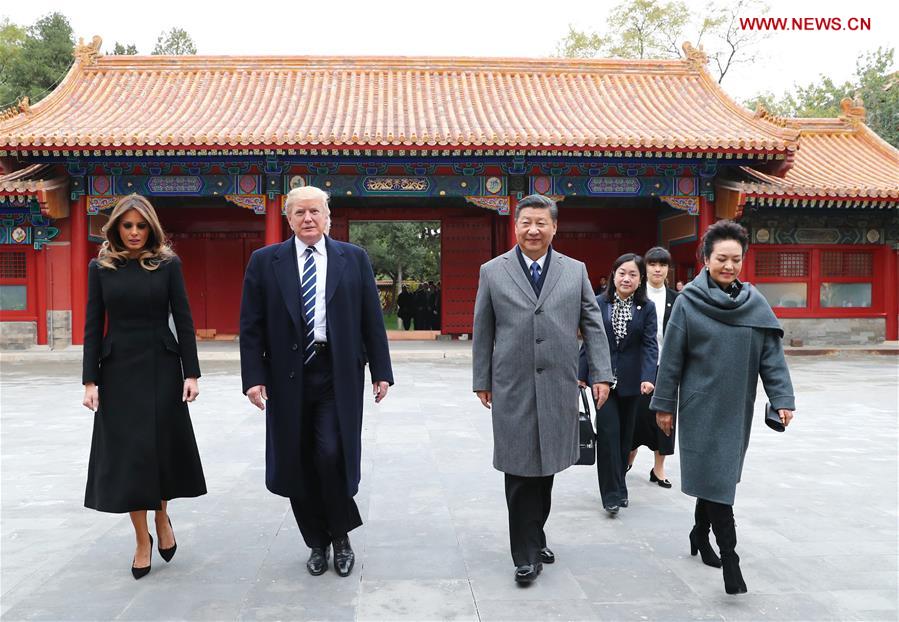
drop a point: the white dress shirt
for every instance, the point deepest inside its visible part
(320, 255)
(658, 296)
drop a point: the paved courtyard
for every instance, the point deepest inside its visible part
(816, 515)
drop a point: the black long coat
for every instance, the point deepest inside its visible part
(271, 352)
(143, 448)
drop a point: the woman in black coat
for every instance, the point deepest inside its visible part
(138, 378)
(630, 323)
(647, 431)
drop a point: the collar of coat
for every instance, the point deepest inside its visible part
(749, 308)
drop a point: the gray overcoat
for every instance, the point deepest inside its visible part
(525, 351)
(714, 351)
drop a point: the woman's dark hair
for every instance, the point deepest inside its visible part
(723, 230)
(657, 254)
(640, 294)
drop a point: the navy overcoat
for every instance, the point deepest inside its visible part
(271, 352)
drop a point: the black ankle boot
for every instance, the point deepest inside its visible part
(699, 543)
(722, 519)
(733, 577)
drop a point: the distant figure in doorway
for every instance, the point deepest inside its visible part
(138, 379)
(405, 307)
(437, 310)
(679, 286)
(422, 307)
(603, 284)
(722, 335)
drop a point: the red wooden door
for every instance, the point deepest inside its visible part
(224, 280)
(466, 243)
(192, 252)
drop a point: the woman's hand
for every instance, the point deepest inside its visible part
(91, 397)
(786, 416)
(191, 390)
(646, 388)
(665, 421)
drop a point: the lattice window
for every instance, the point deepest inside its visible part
(846, 264)
(782, 264)
(12, 265)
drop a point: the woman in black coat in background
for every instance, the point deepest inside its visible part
(138, 379)
(630, 324)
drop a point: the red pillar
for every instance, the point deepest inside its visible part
(40, 261)
(706, 220)
(272, 220)
(891, 282)
(78, 265)
(512, 240)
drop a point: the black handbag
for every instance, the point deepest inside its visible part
(587, 437)
(772, 419)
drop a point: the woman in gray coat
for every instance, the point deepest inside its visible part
(721, 337)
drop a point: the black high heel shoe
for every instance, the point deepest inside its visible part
(169, 553)
(700, 544)
(139, 573)
(664, 483)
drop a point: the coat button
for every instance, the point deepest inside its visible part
(539, 370)
(540, 339)
(294, 347)
(291, 375)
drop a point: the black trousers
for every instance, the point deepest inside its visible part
(615, 423)
(326, 511)
(407, 322)
(529, 500)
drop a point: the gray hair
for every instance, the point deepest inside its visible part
(538, 201)
(303, 193)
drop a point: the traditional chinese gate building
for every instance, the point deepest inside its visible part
(637, 152)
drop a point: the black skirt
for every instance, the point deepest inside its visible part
(648, 433)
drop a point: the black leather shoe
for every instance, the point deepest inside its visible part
(623, 503)
(664, 483)
(527, 574)
(611, 509)
(139, 573)
(318, 560)
(169, 553)
(344, 558)
(547, 556)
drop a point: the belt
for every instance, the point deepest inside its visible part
(320, 346)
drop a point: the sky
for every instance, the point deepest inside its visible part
(526, 28)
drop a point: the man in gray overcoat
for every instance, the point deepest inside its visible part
(530, 303)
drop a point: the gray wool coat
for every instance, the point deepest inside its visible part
(714, 351)
(525, 350)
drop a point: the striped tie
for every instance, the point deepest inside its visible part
(307, 289)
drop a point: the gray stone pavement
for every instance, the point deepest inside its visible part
(816, 513)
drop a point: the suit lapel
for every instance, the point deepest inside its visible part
(288, 276)
(514, 269)
(556, 266)
(669, 301)
(336, 265)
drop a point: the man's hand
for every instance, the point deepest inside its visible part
(191, 390)
(486, 398)
(91, 397)
(257, 396)
(379, 390)
(646, 388)
(600, 393)
(786, 416)
(665, 421)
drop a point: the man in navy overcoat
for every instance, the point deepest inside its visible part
(310, 318)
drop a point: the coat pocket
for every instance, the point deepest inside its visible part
(170, 344)
(690, 398)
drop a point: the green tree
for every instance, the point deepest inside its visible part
(400, 250)
(12, 38)
(175, 42)
(124, 49)
(653, 29)
(874, 82)
(42, 60)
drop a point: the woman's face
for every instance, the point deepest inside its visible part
(627, 279)
(656, 273)
(134, 230)
(725, 262)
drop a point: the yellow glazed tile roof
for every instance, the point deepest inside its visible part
(207, 102)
